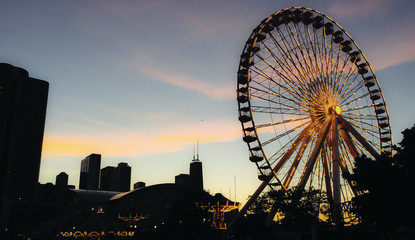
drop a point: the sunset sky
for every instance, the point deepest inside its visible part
(143, 81)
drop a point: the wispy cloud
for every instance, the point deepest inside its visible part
(210, 90)
(359, 9)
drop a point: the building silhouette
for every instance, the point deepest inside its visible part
(61, 181)
(139, 185)
(23, 102)
(90, 169)
(123, 177)
(182, 179)
(116, 178)
(195, 177)
(108, 181)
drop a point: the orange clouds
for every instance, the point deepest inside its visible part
(132, 144)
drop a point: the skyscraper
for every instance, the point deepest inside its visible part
(23, 102)
(123, 177)
(196, 175)
(90, 169)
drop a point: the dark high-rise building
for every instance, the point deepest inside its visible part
(90, 169)
(23, 102)
(196, 175)
(108, 181)
(123, 177)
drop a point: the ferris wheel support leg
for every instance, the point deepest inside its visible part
(359, 137)
(336, 173)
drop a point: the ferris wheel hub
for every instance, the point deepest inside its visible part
(337, 110)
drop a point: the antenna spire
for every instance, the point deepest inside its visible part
(197, 149)
(193, 152)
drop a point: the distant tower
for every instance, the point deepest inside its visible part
(196, 174)
(23, 102)
(90, 168)
(123, 177)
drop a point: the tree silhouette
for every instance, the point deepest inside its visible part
(385, 185)
(299, 208)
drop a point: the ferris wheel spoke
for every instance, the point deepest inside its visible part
(275, 94)
(287, 107)
(282, 122)
(283, 134)
(304, 69)
(364, 126)
(352, 87)
(268, 90)
(355, 99)
(287, 71)
(278, 110)
(359, 117)
(309, 43)
(291, 92)
(362, 107)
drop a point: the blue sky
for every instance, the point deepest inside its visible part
(142, 81)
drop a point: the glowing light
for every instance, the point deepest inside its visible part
(337, 109)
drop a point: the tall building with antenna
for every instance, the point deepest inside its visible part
(196, 173)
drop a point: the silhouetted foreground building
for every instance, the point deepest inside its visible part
(90, 168)
(23, 102)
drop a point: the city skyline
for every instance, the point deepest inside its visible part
(143, 82)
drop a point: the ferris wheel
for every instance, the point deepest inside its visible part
(309, 104)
